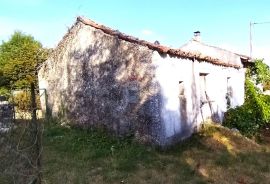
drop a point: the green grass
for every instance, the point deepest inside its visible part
(215, 155)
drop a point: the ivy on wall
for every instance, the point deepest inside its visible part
(255, 112)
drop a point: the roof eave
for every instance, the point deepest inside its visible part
(159, 48)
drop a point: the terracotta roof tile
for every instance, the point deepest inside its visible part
(159, 48)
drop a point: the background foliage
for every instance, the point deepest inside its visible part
(255, 112)
(260, 74)
(19, 58)
(23, 101)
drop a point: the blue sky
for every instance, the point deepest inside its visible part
(223, 23)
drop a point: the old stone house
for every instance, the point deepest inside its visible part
(100, 77)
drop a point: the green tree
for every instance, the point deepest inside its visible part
(19, 58)
(260, 73)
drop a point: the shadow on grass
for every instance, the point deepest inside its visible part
(221, 156)
(72, 155)
(96, 155)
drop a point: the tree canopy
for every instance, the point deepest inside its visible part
(19, 58)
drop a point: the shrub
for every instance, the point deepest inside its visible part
(260, 73)
(243, 119)
(252, 115)
(22, 101)
(4, 92)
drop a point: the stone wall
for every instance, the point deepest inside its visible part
(6, 114)
(99, 80)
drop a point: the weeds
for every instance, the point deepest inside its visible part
(215, 155)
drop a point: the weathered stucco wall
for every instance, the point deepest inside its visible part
(182, 110)
(95, 79)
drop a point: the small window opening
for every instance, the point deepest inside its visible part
(203, 74)
(181, 88)
(203, 87)
(229, 93)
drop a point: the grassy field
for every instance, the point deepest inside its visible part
(216, 155)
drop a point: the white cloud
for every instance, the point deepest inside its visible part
(147, 32)
(151, 36)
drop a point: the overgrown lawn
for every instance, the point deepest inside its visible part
(216, 155)
(72, 155)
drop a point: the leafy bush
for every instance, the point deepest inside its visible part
(266, 86)
(252, 115)
(22, 101)
(243, 119)
(260, 73)
(4, 92)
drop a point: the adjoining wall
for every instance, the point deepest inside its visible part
(193, 92)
